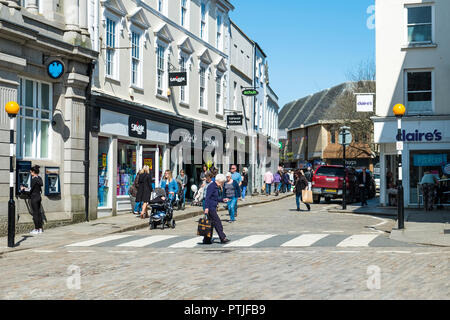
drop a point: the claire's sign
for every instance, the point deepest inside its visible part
(418, 136)
(137, 127)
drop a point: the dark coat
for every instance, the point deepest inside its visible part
(145, 188)
(360, 180)
(300, 184)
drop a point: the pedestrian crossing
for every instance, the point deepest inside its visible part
(244, 241)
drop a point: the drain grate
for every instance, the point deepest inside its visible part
(446, 231)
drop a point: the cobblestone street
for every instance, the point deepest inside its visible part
(269, 272)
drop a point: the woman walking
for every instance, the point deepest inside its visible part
(212, 200)
(169, 184)
(184, 180)
(244, 182)
(300, 184)
(134, 191)
(35, 195)
(145, 190)
(232, 193)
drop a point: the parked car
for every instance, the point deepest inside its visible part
(328, 182)
(377, 181)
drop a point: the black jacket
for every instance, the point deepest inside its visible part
(35, 188)
(300, 184)
(360, 180)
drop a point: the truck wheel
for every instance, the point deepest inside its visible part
(316, 199)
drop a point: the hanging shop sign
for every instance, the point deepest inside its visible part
(137, 128)
(55, 69)
(234, 120)
(177, 79)
(250, 92)
(364, 103)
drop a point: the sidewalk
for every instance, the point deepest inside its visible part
(427, 228)
(111, 225)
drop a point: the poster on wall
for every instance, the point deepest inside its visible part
(103, 159)
(148, 162)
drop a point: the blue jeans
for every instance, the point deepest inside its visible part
(232, 206)
(138, 207)
(184, 197)
(268, 188)
(244, 191)
(298, 198)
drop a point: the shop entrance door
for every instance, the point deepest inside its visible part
(150, 157)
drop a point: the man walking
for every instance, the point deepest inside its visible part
(364, 184)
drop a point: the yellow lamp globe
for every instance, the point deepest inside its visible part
(12, 108)
(399, 110)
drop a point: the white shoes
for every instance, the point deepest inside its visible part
(36, 231)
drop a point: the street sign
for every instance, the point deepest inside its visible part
(234, 120)
(250, 92)
(177, 79)
(280, 144)
(346, 136)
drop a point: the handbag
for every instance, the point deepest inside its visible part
(307, 196)
(204, 227)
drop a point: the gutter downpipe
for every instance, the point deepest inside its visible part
(87, 134)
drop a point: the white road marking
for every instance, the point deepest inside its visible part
(333, 231)
(80, 251)
(344, 251)
(112, 251)
(191, 243)
(249, 241)
(43, 251)
(304, 240)
(140, 243)
(90, 243)
(358, 240)
(394, 252)
(292, 251)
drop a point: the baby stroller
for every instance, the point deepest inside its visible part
(162, 210)
(198, 196)
(179, 197)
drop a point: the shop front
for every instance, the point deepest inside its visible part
(426, 148)
(125, 145)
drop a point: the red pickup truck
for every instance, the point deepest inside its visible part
(328, 182)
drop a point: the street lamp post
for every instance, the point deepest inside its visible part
(12, 108)
(399, 111)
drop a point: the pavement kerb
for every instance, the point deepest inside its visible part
(363, 213)
(188, 215)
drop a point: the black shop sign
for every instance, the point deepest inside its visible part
(137, 127)
(177, 79)
(234, 120)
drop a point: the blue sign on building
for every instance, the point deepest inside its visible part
(429, 160)
(55, 69)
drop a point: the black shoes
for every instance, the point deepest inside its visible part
(226, 240)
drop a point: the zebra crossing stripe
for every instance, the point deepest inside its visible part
(97, 241)
(304, 240)
(249, 241)
(191, 243)
(358, 240)
(140, 243)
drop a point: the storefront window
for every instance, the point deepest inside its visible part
(103, 174)
(421, 161)
(126, 166)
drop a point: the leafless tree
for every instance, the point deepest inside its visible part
(362, 80)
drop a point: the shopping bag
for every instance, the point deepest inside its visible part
(307, 196)
(204, 227)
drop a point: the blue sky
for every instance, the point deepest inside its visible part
(311, 45)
